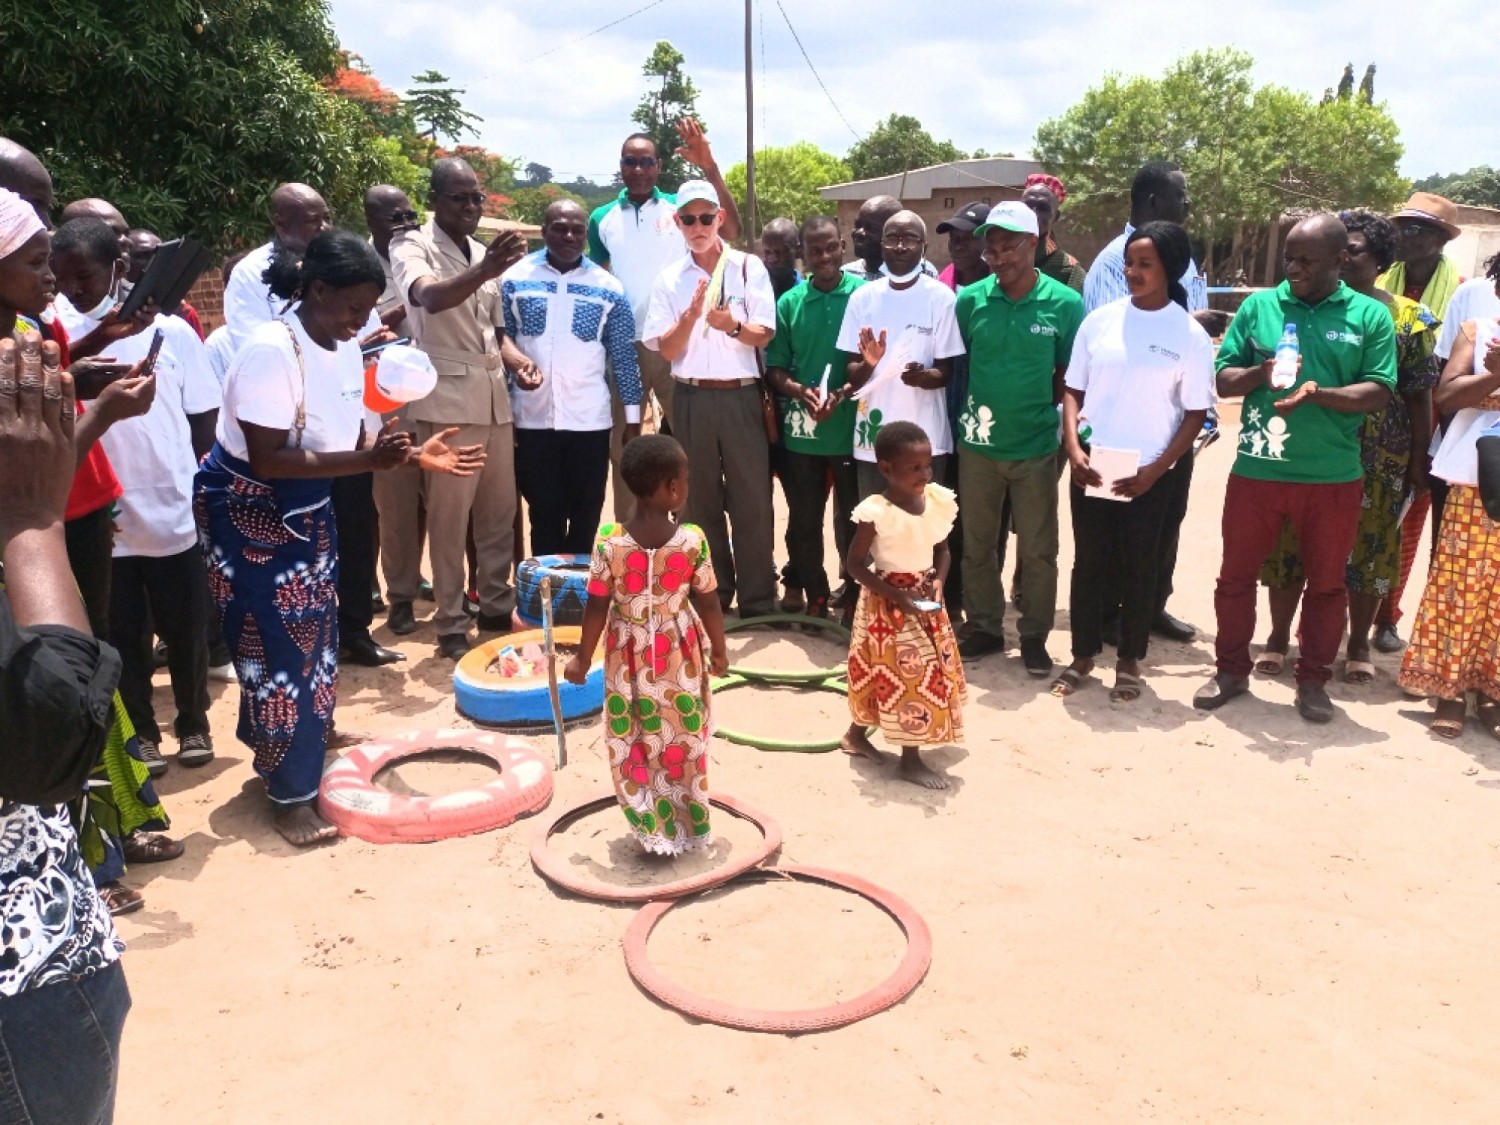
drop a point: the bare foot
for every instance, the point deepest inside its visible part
(302, 826)
(340, 739)
(916, 771)
(858, 744)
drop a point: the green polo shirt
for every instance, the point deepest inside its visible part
(807, 332)
(1346, 338)
(1015, 349)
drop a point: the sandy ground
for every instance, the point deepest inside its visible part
(1138, 912)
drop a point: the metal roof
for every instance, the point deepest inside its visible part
(924, 183)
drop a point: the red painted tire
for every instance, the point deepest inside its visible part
(561, 874)
(899, 984)
(349, 799)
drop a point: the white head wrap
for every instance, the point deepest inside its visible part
(18, 223)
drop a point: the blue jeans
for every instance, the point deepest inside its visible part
(60, 1051)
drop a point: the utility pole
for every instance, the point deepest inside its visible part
(752, 228)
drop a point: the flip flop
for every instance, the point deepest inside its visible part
(151, 847)
(1271, 663)
(1068, 682)
(1127, 688)
(120, 899)
(1446, 728)
(1359, 672)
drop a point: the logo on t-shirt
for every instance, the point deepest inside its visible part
(1159, 350)
(1040, 329)
(868, 426)
(976, 422)
(1264, 436)
(1335, 337)
(799, 423)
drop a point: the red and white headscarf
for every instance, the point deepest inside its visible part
(18, 223)
(1051, 183)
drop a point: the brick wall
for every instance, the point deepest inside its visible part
(207, 296)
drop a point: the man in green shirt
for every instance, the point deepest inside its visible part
(1298, 457)
(1018, 326)
(817, 427)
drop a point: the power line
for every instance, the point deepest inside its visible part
(596, 31)
(815, 74)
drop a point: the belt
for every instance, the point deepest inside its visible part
(488, 360)
(719, 384)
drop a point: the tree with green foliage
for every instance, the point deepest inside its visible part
(187, 116)
(787, 182)
(435, 104)
(528, 204)
(897, 144)
(1478, 187)
(1250, 153)
(673, 98)
(538, 174)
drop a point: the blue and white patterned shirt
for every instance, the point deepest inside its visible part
(1106, 278)
(577, 327)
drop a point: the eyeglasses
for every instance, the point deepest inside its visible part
(707, 219)
(638, 162)
(477, 198)
(1416, 228)
(901, 240)
(403, 216)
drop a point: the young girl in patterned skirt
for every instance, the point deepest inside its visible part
(658, 652)
(904, 672)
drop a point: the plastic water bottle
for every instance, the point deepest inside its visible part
(1284, 370)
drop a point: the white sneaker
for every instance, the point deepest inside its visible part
(222, 674)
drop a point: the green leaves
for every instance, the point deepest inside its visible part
(787, 181)
(673, 98)
(898, 144)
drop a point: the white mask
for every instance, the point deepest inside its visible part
(903, 278)
(107, 302)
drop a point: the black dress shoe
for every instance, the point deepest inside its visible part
(453, 646)
(364, 650)
(401, 620)
(1165, 625)
(495, 623)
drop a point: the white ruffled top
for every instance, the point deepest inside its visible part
(904, 542)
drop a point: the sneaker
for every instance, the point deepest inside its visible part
(794, 600)
(471, 603)
(222, 673)
(1387, 640)
(195, 750)
(150, 754)
(1035, 656)
(424, 591)
(978, 644)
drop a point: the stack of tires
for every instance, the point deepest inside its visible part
(569, 574)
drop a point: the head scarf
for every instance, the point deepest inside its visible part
(18, 223)
(1051, 183)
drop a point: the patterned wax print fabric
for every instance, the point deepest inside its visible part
(120, 799)
(1455, 643)
(656, 683)
(273, 571)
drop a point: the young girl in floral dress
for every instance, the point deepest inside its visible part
(904, 671)
(658, 652)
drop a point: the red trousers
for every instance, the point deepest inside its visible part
(1325, 518)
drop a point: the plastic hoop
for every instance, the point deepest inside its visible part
(831, 683)
(897, 986)
(550, 867)
(775, 676)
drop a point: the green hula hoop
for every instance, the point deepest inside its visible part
(777, 676)
(833, 683)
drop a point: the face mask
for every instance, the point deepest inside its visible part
(107, 302)
(902, 279)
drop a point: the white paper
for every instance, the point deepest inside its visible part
(1112, 465)
(896, 359)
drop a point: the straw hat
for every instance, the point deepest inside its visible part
(1429, 208)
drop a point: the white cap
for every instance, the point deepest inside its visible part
(1011, 215)
(696, 191)
(402, 374)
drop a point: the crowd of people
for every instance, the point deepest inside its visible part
(228, 506)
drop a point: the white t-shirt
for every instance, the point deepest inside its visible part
(1473, 300)
(714, 355)
(265, 385)
(153, 454)
(247, 299)
(1456, 459)
(220, 345)
(1140, 372)
(920, 320)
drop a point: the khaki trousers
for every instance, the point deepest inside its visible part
(398, 500)
(656, 378)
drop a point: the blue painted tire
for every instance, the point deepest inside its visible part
(570, 576)
(523, 701)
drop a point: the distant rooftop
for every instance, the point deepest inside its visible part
(923, 183)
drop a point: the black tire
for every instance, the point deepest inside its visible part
(570, 576)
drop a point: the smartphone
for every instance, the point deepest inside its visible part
(151, 356)
(90, 377)
(376, 349)
(927, 606)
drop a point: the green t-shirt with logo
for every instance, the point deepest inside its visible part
(1344, 339)
(1015, 349)
(807, 332)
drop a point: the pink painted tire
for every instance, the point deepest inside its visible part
(897, 986)
(550, 866)
(349, 799)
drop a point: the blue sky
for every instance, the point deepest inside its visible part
(980, 74)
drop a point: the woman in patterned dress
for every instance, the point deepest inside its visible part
(660, 650)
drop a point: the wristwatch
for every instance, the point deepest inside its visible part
(738, 328)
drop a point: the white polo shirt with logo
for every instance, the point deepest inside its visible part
(637, 242)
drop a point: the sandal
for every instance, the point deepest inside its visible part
(1359, 672)
(1068, 682)
(152, 847)
(1446, 728)
(1127, 688)
(1488, 712)
(1271, 663)
(120, 899)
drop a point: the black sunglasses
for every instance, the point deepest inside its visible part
(638, 162)
(707, 220)
(475, 197)
(403, 216)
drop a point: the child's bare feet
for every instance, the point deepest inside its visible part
(857, 743)
(916, 771)
(302, 826)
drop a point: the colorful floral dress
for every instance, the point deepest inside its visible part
(905, 675)
(656, 683)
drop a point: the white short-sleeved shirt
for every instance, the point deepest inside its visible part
(714, 355)
(153, 454)
(265, 385)
(1140, 372)
(220, 345)
(922, 317)
(1473, 300)
(247, 299)
(904, 542)
(637, 242)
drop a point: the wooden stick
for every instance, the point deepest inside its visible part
(557, 719)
